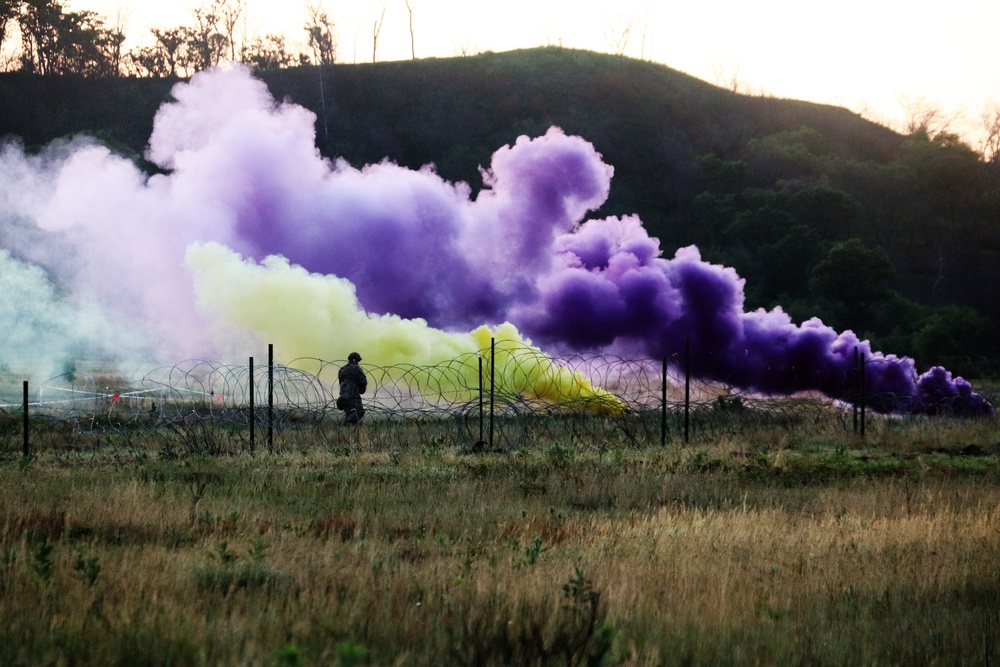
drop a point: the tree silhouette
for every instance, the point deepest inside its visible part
(321, 33)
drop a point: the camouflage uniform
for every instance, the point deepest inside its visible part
(353, 383)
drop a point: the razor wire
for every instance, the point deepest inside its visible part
(522, 390)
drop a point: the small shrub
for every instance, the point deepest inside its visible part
(584, 635)
(435, 445)
(257, 549)
(86, 569)
(43, 564)
(560, 454)
(533, 552)
(350, 654)
(226, 555)
(290, 655)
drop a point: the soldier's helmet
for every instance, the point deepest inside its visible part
(354, 356)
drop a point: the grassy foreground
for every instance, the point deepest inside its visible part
(771, 548)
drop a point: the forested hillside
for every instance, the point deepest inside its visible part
(823, 212)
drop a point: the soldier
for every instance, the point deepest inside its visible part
(353, 383)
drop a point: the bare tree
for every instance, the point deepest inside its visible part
(989, 144)
(643, 32)
(729, 78)
(413, 47)
(229, 12)
(924, 117)
(618, 32)
(466, 48)
(377, 29)
(867, 111)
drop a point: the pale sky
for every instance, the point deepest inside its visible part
(862, 54)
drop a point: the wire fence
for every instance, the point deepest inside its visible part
(478, 402)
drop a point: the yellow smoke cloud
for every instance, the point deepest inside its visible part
(313, 316)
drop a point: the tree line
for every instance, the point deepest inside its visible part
(46, 37)
(904, 251)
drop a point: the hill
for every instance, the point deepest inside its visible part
(650, 122)
(823, 212)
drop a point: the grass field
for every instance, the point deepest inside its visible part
(772, 547)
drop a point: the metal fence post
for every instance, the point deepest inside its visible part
(863, 395)
(663, 406)
(480, 400)
(857, 388)
(26, 447)
(270, 397)
(252, 418)
(493, 366)
(687, 390)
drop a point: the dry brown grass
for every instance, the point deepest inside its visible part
(771, 552)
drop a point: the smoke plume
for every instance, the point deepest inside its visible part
(251, 236)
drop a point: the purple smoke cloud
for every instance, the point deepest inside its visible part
(244, 171)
